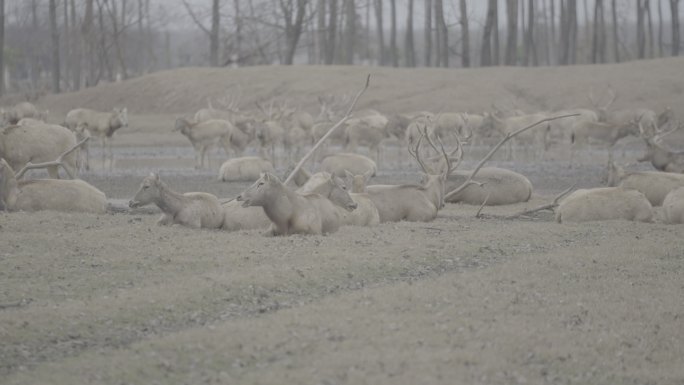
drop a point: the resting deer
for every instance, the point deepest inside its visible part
(655, 185)
(246, 168)
(338, 163)
(195, 209)
(495, 186)
(605, 203)
(365, 214)
(417, 203)
(291, 212)
(48, 194)
(673, 206)
(662, 158)
(101, 124)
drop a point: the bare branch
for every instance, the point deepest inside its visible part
(506, 138)
(194, 18)
(548, 206)
(58, 162)
(477, 214)
(330, 131)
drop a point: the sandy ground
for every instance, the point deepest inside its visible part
(114, 299)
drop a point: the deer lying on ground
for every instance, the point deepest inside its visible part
(606, 203)
(655, 185)
(38, 143)
(236, 217)
(337, 164)
(247, 168)
(673, 206)
(289, 211)
(662, 158)
(365, 214)
(100, 124)
(204, 135)
(48, 194)
(495, 186)
(195, 209)
(416, 203)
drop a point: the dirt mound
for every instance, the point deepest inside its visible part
(654, 84)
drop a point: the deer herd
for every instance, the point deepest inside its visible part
(339, 194)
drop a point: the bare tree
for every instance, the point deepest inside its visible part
(2, 46)
(320, 30)
(568, 32)
(641, 33)
(552, 17)
(88, 42)
(428, 33)
(674, 12)
(616, 36)
(465, 36)
(598, 38)
(212, 32)
(117, 32)
(75, 49)
(381, 34)
(511, 32)
(349, 35)
(393, 33)
(442, 58)
(408, 43)
(54, 33)
(294, 22)
(486, 51)
(649, 18)
(530, 46)
(661, 49)
(332, 33)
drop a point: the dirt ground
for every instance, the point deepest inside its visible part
(115, 299)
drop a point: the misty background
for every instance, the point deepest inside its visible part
(66, 45)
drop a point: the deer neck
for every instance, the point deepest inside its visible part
(169, 201)
(280, 206)
(434, 190)
(9, 190)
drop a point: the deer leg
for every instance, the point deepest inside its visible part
(104, 155)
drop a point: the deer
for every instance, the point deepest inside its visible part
(70, 195)
(673, 206)
(647, 117)
(495, 186)
(604, 203)
(338, 163)
(655, 185)
(365, 214)
(43, 142)
(204, 135)
(662, 158)
(537, 138)
(194, 209)
(289, 211)
(247, 168)
(415, 203)
(20, 111)
(100, 124)
(368, 131)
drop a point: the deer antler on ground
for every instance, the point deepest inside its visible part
(58, 162)
(548, 206)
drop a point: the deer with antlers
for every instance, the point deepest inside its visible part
(661, 157)
(647, 117)
(416, 203)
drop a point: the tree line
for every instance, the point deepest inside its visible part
(61, 45)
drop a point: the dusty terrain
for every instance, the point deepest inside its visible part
(114, 299)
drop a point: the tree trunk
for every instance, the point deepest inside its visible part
(408, 42)
(511, 32)
(75, 49)
(486, 50)
(2, 47)
(320, 31)
(523, 33)
(381, 34)
(54, 33)
(465, 36)
(661, 49)
(616, 36)
(350, 35)
(393, 33)
(496, 49)
(66, 47)
(572, 13)
(530, 33)
(595, 36)
(649, 18)
(428, 33)
(293, 28)
(237, 54)
(674, 11)
(214, 34)
(443, 41)
(332, 33)
(641, 33)
(87, 40)
(552, 17)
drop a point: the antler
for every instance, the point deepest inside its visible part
(58, 162)
(415, 152)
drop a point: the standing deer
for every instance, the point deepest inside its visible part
(38, 143)
(367, 131)
(101, 124)
(204, 135)
(195, 209)
(535, 138)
